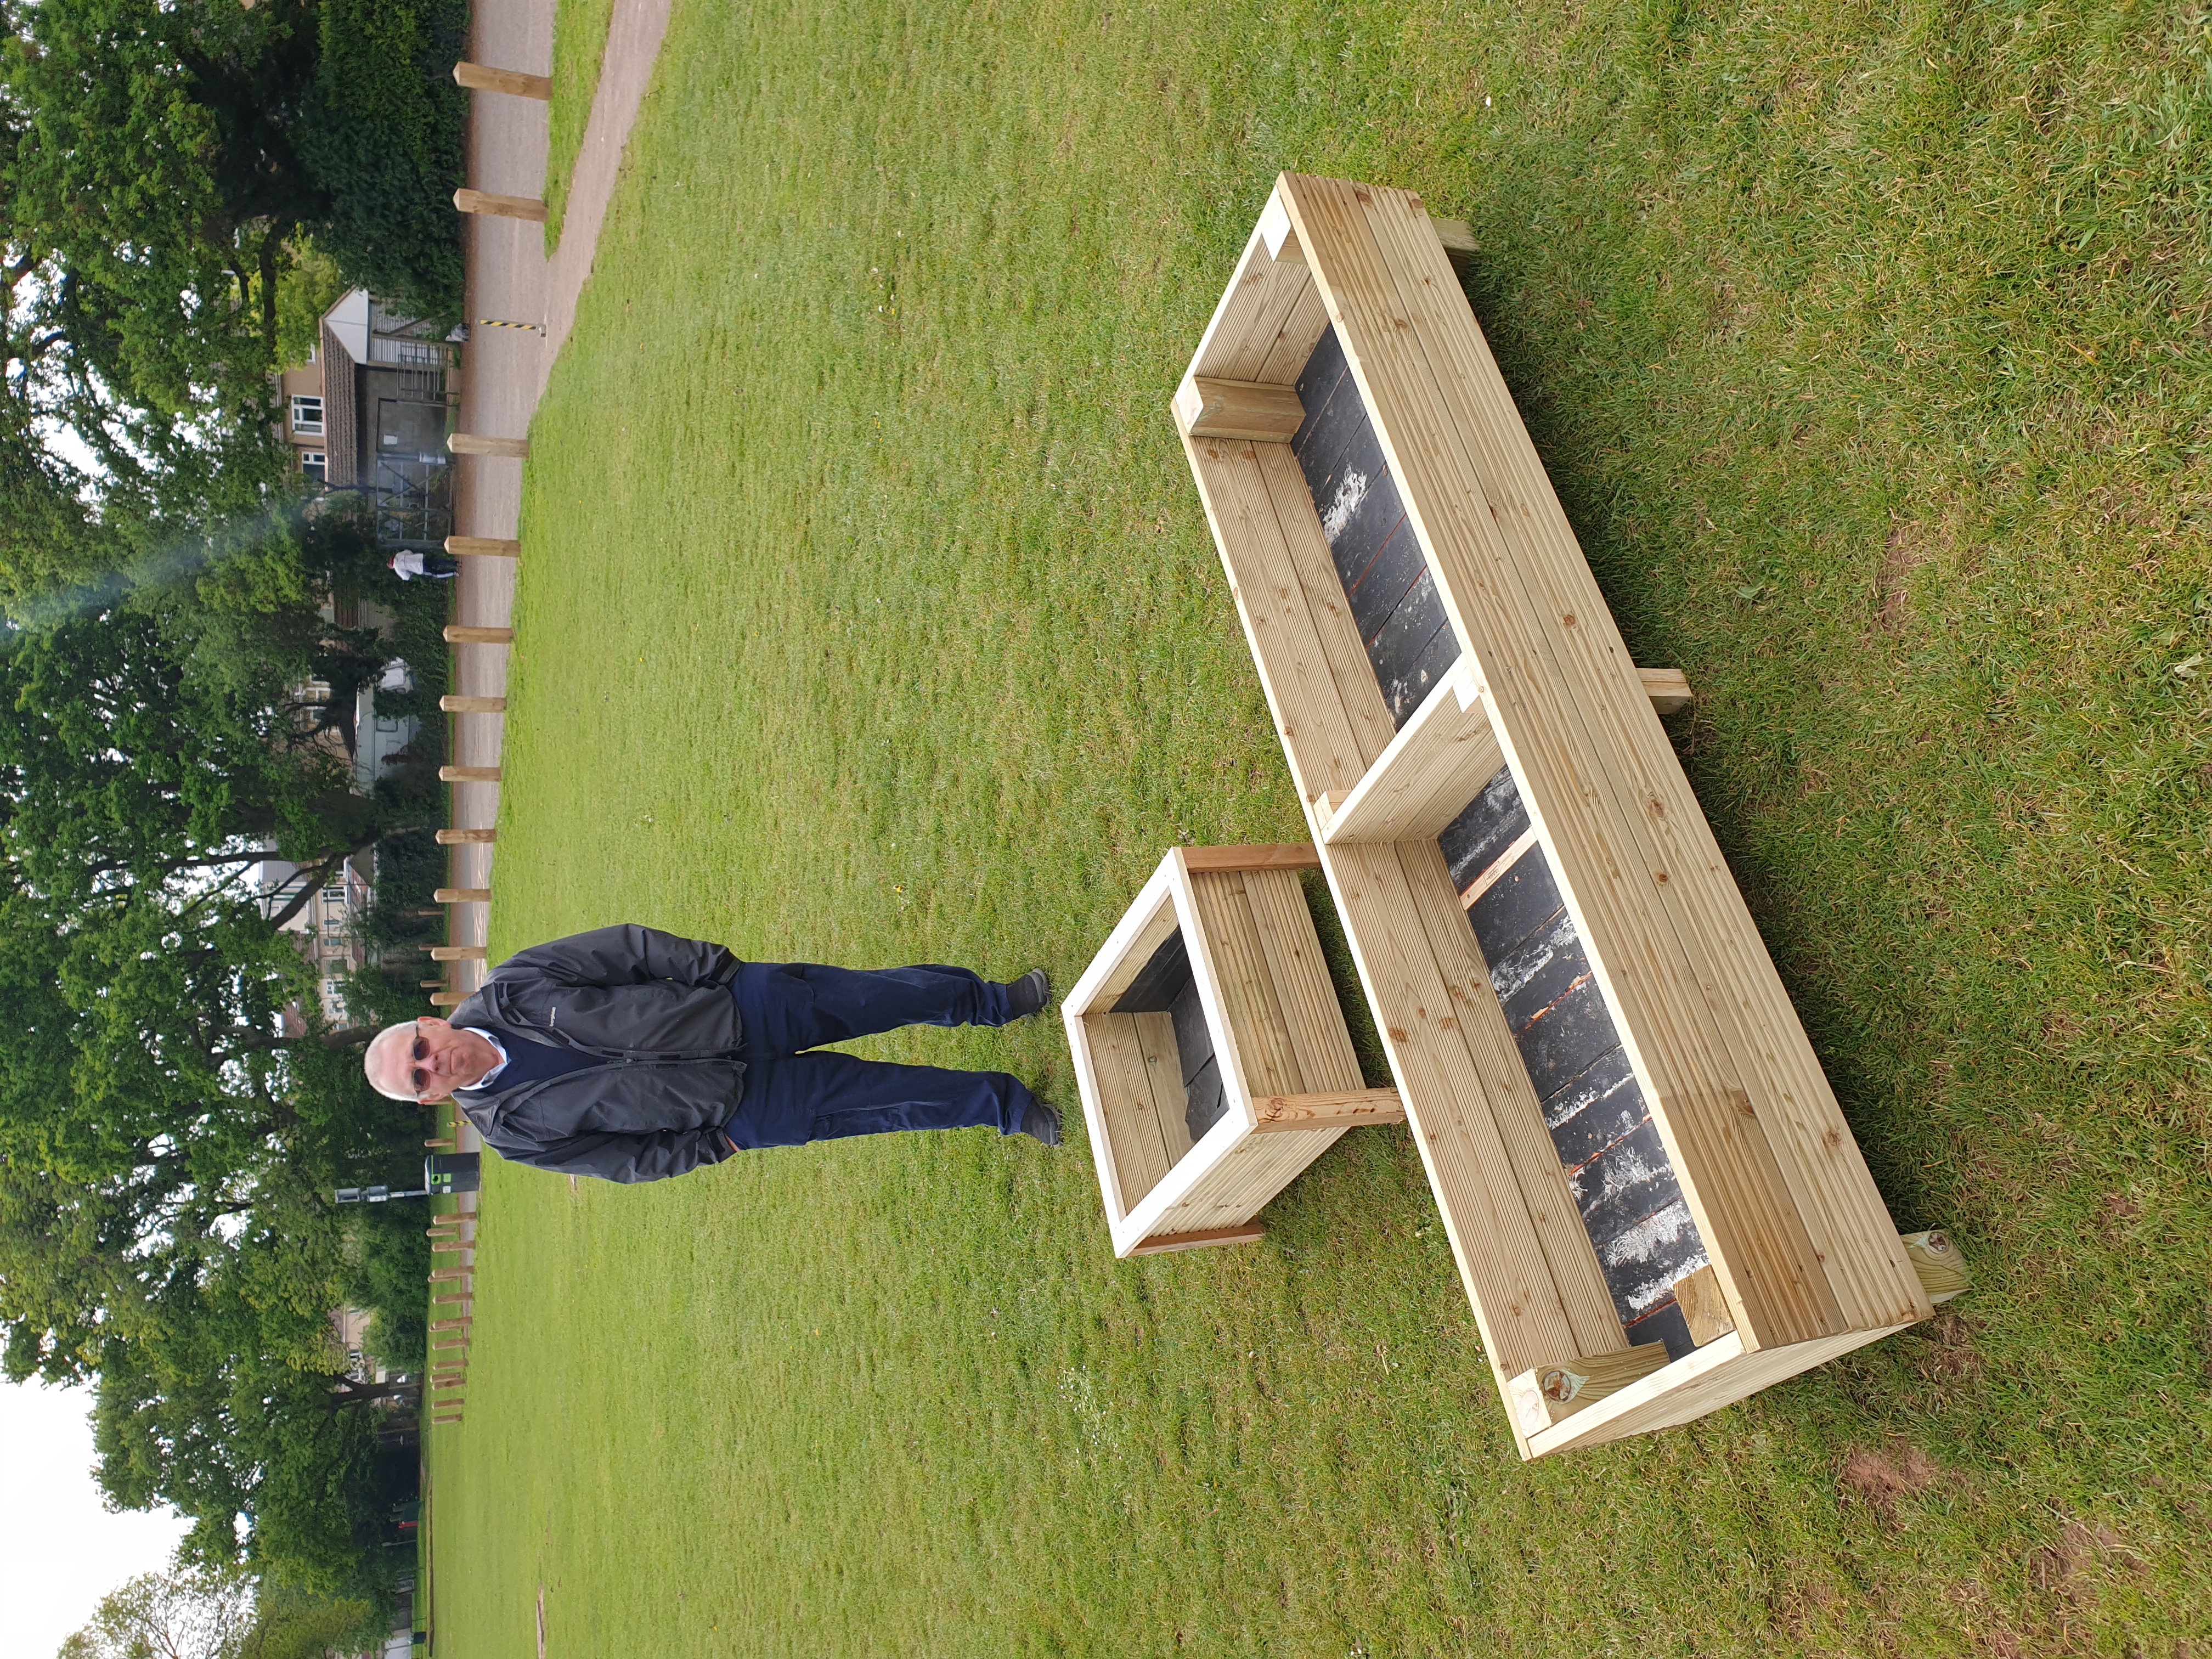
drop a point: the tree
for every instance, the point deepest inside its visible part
(182, 1615)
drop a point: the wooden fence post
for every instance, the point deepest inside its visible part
(456, 705)
(463, 633)
(482, 77)
(466, 837)
(475, 443)
(468, 774)
(462, 896)
(483, 547)
(496, 206)
(457, 953)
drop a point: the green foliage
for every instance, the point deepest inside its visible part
(388, 1263)
(383, 135)
(309, 285)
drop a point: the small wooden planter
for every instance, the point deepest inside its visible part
(1654, 1199)
(1210, 1050)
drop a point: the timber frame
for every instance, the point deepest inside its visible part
(1804, 1261)
(1231, 927)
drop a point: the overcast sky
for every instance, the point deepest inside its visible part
(60, 1551)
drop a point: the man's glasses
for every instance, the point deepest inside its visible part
(418, 1078)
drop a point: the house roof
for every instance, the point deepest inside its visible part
(341, 412)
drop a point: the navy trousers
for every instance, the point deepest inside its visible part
(793, 1096)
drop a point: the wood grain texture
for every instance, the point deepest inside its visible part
(482, 77)
(1292, 855)
(1209, 408)
(1344, 1109)
(1437, 761)
(1547, 665)
(1163, 1243)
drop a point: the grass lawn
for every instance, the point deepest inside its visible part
(579, 42)
(867, 614)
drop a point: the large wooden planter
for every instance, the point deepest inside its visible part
(1656, 1205)
(1210, 1050)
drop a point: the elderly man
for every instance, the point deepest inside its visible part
(630, 1054)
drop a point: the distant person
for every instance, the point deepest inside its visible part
(631, 1054)
(438, 566)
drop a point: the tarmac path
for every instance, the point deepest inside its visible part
(505, 371)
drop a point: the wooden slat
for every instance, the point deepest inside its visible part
(1291, 855)
(1493, 1238)
(1728, 1172)
(1156, 1040)
(1262, 298)
(1518, 1114)
(1162, 1243)
(1245, 1181)
(1296, 339)
(1705, 1310)
(1248, 990)
(1303, 988)
(1140, 950)
(1279, 625)
(1360, 699)
(1694, 1385)
(1841, 1222)
(1437, 763)
(1344, 1109)
(1545, 1394)
(1125, 1100)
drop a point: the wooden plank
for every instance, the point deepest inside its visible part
(500, 207)
(1344, 1108)
(1668, 689)
(1267, 1062)
(1294, 340)
(1248, 1178)
(1457, 238)
(1153, 933)
(1767, 1260)
(484, 547)
(1125, 1098)
(1360, 697)
(1576, 1270)
(1448, 1102)
(1705, 1310)
(1279, 625)
(1694, 1385)
(1209, 408)
(1162, 1243)
(1307, 995)
(1156, 1039)
(1843, 1231)
(1293, 855)
(1437, 763)
(1544, 1394)
(1942, 1269)
(1261, 298)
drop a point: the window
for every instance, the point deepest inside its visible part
(314, 464)
(307, 416)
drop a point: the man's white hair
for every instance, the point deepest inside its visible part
(401, 1038)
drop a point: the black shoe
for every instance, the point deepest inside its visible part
(1040, 1123)
(1028, 993)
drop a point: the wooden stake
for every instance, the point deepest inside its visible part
(473, 443)
(496, 206)
(462, 896)
(459, 1324)
(483, 547)
(466, 837)
(482, 77)
(1942, 1270)
(447, 998)
(1344, 1109)
(457, 953)
(468, 774)
(473, 704)
(464, 634)
(429, 984)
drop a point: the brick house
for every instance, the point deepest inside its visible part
(369, 413)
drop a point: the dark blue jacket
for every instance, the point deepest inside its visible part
(655, 1012)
